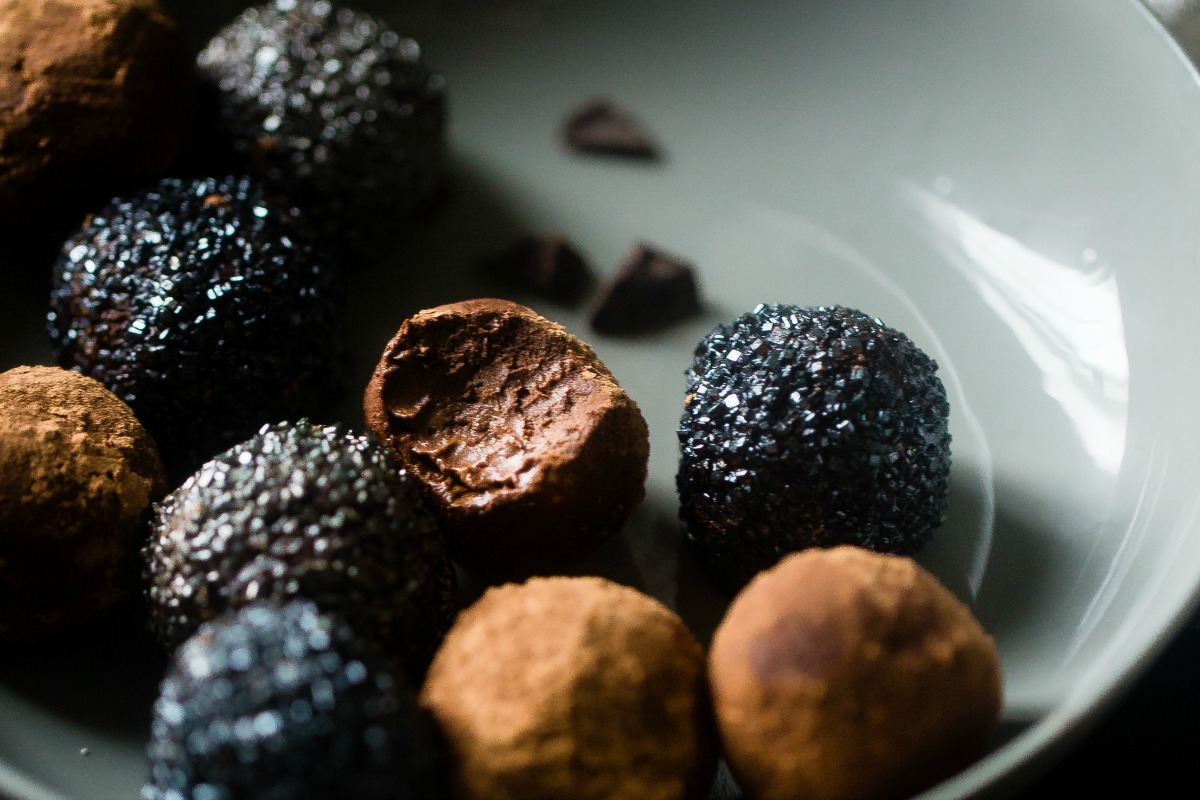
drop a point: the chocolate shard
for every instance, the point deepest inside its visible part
(547, 265)
(604, 126)
(653, 289)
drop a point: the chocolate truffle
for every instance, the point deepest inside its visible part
(524, 443)
(652, 290)
(572, 687)
(809, 427)
(845, 674)
(201, 305)
(287, 703)
(92, 93)
(303, 511)
(78, 474)
(335, 109)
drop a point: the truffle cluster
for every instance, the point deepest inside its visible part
(200, 305)
(333, 108)
(282, 702)
(78, 473)
(810, 427)
(301, 511)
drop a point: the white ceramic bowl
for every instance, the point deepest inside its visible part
(1013, 184)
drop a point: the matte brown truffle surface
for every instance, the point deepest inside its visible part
(843, 674)
(77, 476)
(526, 446)
(572, 688)
(94, 95)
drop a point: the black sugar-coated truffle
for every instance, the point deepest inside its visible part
(809, 427)
(199, 304)
(285, 703)
(303, 511)
(335, 109)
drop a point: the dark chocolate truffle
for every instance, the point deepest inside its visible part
(844, 674)
(333, 108)
(77, 476)
(653, 289)
(524, 443)
(810, 427)
(606, 127)
(286, 703)
(572, 687)
(200, 305)
(93, 93)
(303, 511)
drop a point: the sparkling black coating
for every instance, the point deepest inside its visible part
(302, 511)
(284, 703)
(199, 304)
(809, 427)
(334, 109)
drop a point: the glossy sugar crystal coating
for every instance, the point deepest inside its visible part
(809, 427)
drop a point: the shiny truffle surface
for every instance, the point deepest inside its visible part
(844, 674)
(334, 108)
(93, 93)
(200, 305)
(78, 474)
(528, 450)
(572, 688)
(810, 427)
(303, 511)
(284, 703)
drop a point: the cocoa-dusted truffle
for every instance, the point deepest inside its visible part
(286, 703)
(92, 93)
(844, 674)
(572, 687)
(810, 427)
(526, 446)
(77, 476)
(303, 511)
(335, 109)
(202, 305)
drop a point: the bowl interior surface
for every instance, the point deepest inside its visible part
(1011, 184)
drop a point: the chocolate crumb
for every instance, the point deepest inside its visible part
(604, 126)
(547, 265)
(652, 290)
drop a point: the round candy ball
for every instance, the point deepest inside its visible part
(528, 449)
(809, 427)
(303, 511)
(335, 109)
(92, 93)
(572, 687)
(843, 674)
(283, 702)
(78, 474)
(200, 305)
